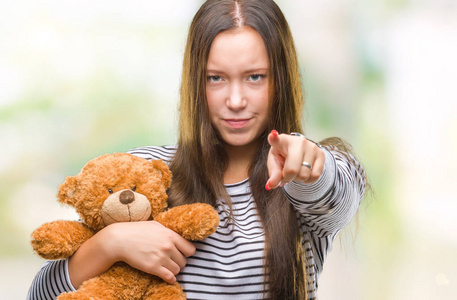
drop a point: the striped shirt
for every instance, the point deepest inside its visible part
(229, 263)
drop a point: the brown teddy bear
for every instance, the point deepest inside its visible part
(113, 188)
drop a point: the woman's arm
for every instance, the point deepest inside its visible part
(324, 184)
(94, 257)
(147, 246)
(330, 203)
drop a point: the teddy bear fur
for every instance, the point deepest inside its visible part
(120, 187)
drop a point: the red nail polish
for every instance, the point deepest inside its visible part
(267, 186)
(274, 133)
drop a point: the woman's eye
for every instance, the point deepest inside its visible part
(214, 78)
(256, 77)
(134, 188)
(110, 191)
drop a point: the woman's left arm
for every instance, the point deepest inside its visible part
(328, 193)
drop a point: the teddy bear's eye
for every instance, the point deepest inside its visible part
(110, 191)
(134, 188)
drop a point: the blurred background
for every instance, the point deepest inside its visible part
(82, 78)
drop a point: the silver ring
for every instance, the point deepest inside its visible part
(306, 164)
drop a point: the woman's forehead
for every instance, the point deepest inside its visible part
(238, 47)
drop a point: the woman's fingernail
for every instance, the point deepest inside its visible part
(267, 186)
(274, 133)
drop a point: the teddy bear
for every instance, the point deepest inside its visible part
(120, 187)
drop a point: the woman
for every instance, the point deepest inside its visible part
(281, 197)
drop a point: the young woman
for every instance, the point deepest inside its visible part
(281, 197)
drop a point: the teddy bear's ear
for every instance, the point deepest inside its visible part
(163, 168)
(67, 191)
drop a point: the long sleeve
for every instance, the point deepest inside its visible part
(51, 281)
(327, 205)
(331, 202)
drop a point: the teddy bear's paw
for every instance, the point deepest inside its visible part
(193, 221)
(59, 239)
(205, 221)
(77, 296)
(164, 291)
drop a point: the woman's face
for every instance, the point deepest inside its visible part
(237, 86)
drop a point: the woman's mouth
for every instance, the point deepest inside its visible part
(237, 123)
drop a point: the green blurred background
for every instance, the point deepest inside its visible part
(82, 78)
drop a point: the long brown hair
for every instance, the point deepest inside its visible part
(200, 161)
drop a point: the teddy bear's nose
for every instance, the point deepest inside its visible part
(126, 197)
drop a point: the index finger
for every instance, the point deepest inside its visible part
(274, 165)
(275, 160)
(277, 143)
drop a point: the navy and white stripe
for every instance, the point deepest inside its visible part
(229, 263)
(51, 281)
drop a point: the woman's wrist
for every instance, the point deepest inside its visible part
(94, 257)
(109, 244)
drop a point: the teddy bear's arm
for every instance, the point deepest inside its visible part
(60, 239)
(193, 221)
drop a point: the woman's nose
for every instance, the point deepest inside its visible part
(236, 99)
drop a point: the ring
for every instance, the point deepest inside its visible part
(306, 164)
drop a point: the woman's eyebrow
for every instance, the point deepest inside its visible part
(253, 70)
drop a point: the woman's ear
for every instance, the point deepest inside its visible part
(164, 170)
(67, 191)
